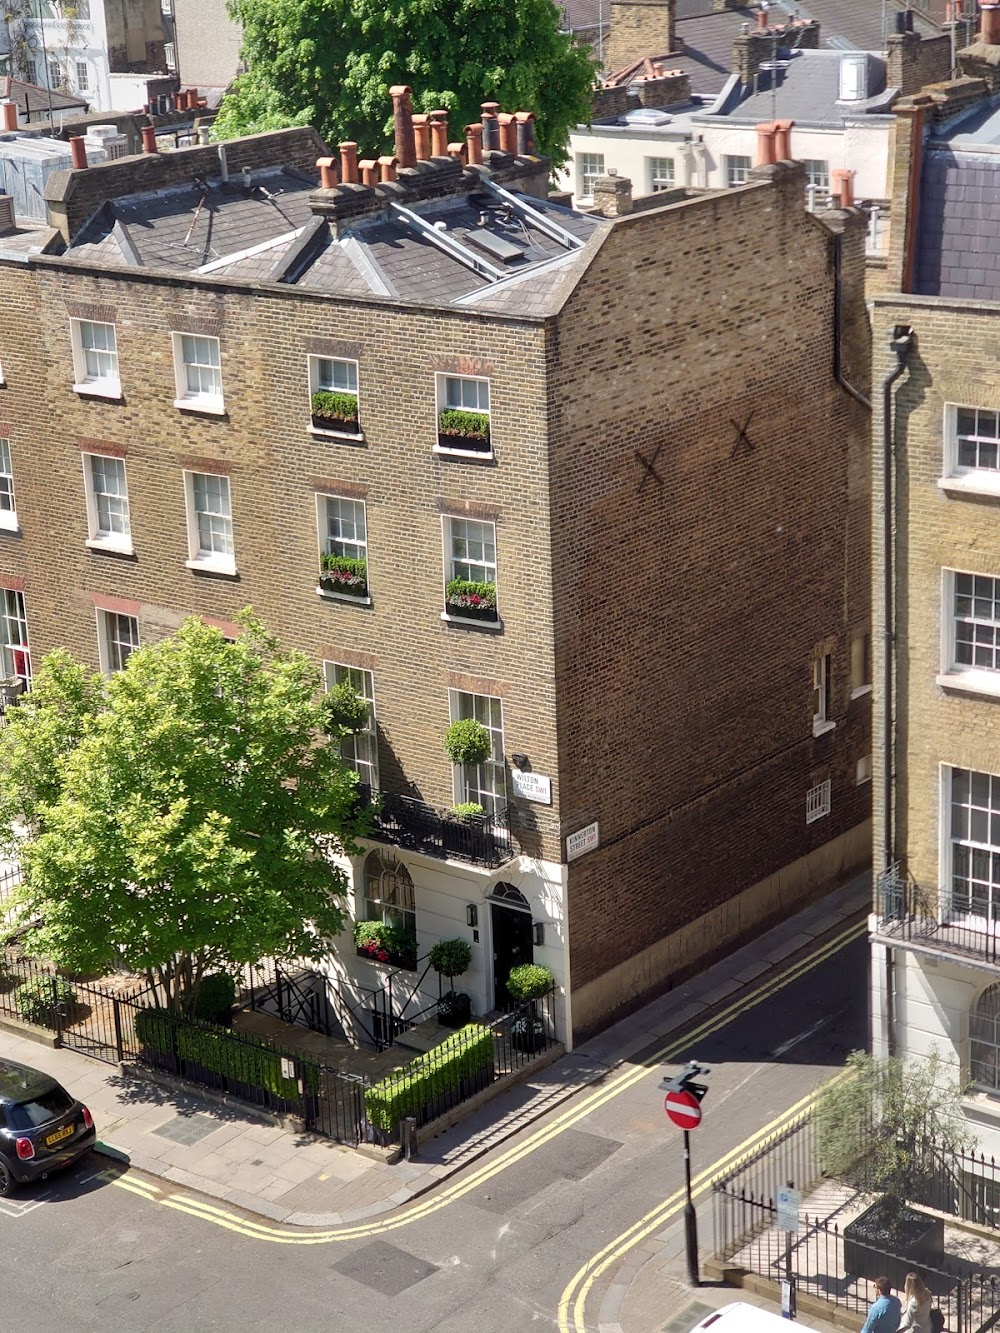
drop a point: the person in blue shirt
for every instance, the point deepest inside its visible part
(885, 1311)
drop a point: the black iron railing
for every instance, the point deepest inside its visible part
(930, 918)
(482, 839)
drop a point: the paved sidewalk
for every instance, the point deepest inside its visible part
(303, 1180)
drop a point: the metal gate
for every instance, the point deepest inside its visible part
(338, 1107)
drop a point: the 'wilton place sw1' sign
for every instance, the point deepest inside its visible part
(533, 787)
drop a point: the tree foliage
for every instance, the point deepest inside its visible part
(176, 819)
(886, 1126)
(330, 63)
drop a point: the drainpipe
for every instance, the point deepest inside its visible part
(901, 344)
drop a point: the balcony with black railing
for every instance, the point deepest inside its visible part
(482, 840)
(928, 921)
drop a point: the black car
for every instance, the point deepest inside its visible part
(42, 1128)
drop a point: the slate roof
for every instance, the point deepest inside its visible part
(808, 91)
(36, 100)
(958, 239)
(269, 232)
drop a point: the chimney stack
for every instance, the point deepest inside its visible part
(766, 133)
(990, 30)
(508, 133)
(439, 133)
(525, 132)
(612, 196)
(783, 140)
(348, 163)
(369, 171)
(402, 115)
(388, 167)
(149, 139)
(78, 152)
(327, 173)
(422, 137)
(491, 127)
(9, 117)
(843, 187)
(474, 144)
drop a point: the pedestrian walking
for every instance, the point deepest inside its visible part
(885, 1311)
(916, 1305)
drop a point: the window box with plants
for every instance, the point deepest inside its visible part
(468, 432)
(343, 575)
(335, 412)
(471, 601)
(380, 942)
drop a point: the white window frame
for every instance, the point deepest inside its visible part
(170, 56)
(190, 399)
(15, 645)
(668, 182)
(736, 169)
(326, 542)
(818, 801)
(101, 386)
(818, 179)
(214, 562)
(861, 664)
(585, 177)
(108, 642)
(863, 770)
(359, 751)
(450, 560)
(312, 362)
(822, 698)
(484, 783)
(975, 847)
(82, 76)
(31, 72)
(54, 79)
(8, 517)
(441, 381)
(954, 674)
(959, 478)
(99, 538)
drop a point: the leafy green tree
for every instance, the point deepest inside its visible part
(330, 63)
(177, 819)
(887, 1125)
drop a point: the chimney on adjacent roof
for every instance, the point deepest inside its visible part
(639, 28)
(612, 196)
(388, 168)
(990, 30)
(762, 18)
(369, 171)
(843, 187)
(78, 152)
(327, 172)
(474, 144)
(348, 163)
(149, 139)
(508, 132)
(422, 137)
(402, 116)
(439, 133)
(491, 127)
(765, 144)
(9, 117)
(783, 140)
(525, 132)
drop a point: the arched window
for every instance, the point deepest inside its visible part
(509, 896)
(984, 1038)
(389, 892)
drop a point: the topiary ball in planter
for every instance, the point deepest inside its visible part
(346, 709)
(450, 958)
(454, 1009)
(530, 981)
(469, 811)
(468, 742)
(215, 1000)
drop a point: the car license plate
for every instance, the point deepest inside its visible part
(59, 1135)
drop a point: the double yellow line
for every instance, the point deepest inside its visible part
(579, 1110)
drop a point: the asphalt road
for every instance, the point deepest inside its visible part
(86, 1252)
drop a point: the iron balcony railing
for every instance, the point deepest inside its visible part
(483, 840)
(909, 913)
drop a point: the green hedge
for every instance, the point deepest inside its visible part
(335, 405)
(411, 1089)
(34, 1000)
(219, 1050)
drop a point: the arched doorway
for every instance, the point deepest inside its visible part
(510, 918)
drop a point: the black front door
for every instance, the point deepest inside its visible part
(512, 946)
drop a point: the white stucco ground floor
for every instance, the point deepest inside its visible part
(934, 1001)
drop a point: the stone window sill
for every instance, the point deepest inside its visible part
(971, 682)
(465, 622)
(110, 545)
(329, 596)
(213, 565)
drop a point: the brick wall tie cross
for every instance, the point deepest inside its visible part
(743, 444)
(649, 468)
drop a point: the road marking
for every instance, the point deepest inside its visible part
(15, 1209)
(792, 1042)
(427, 1205)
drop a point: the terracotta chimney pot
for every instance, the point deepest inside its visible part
(149, 139)
(9, 117)
(439, 133)
(422, 137)
(388, 167)
(843, 187)
(78, 152)
(402, 115)
(348, 163)
(765, 144)
(491, 126)
(783, 140)
(762, 20)
(525, 132)
(369, 171)
(327, 172)
(474, 143)
(508, 132)
(457, 151)
(990, 24)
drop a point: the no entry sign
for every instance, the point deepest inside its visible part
(683, 1109)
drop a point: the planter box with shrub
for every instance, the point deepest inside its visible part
(343, 575)
(335, 411)
(451, 1073)
(463, 430)
(382, 943)
(470, 600)
(889, 1240)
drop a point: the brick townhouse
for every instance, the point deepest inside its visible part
(659, 485)
(936, 597)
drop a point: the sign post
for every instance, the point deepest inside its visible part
(683, 1106)
(788, 1222)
